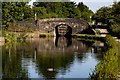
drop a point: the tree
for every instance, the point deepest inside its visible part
(17, 11)
(85, 12)
(115, 24)
(116, 11)
(103, 15)
(109, 16)
(12, 11)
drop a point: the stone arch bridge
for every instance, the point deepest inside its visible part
(48, 25)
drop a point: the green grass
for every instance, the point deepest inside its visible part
(108, 67)
(87, 37)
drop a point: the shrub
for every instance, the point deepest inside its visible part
(108, 68)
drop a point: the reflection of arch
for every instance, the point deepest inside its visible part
(63, 30)
(59, 61)
(68, 41)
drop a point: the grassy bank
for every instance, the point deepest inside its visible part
(108, 68)
(21, 36)
(12, 36)
(87, 36)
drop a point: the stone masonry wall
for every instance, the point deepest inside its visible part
(48, 25)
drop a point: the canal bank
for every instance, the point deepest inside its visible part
(88, 37)
(108, 68)
(37, 34)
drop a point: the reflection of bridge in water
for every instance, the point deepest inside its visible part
(63, 44)
(48, 55)
(52, 56)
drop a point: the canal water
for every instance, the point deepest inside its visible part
(51, 58)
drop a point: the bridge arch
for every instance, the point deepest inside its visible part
(48, 25)
(63, 30)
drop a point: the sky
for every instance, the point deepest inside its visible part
(94, 5)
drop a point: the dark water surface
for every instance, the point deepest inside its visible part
(51, 58)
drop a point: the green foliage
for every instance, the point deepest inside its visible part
(116, 11)
(108, 68)
(27, 12)
(40, 11)
(66, 10)
(22, 37)
(110, 16)
(115, 25)
(19, 11)
(103, 15)
(85, 12)
(60, 10)
(115, 28)
(12, 37)
(9, 37)
(15, 11)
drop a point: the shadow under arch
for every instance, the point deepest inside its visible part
(63, 30)
(68, 41)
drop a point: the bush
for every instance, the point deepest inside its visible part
(9, 37)
(108, 68)
(22, 37)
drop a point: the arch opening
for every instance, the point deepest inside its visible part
(63, 30)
